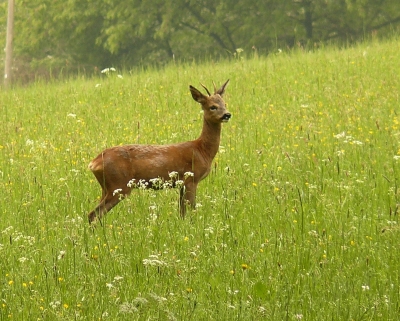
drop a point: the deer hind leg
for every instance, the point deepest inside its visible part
(187, 196)
(105, 205)
(111, 196)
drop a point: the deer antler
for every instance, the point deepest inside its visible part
(215, 87)
(206, 89)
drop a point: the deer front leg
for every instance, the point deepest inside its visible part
(187, 197)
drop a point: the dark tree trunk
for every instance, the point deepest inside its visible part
(308, 20)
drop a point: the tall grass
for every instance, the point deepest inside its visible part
(298, 218)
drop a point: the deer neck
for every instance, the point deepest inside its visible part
(210, 138)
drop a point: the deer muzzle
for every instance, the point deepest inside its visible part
(226, 117)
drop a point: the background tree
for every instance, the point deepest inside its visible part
(344, 20)
(54, 36)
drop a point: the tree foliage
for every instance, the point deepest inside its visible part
(93, 34)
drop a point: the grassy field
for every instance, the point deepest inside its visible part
(298, 218)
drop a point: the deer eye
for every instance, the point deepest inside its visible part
(213, 108)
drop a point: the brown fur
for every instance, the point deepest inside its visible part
(116, 166)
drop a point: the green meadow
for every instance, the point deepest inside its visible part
(298, 219)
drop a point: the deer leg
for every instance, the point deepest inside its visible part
(187, 196)
(182, 207)
(105, 205)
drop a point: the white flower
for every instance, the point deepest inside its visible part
(179, 183)
(117, 191)
(107, 70)
(140, 301)
(153, 260)
(313, 233)
(131, 183)
(142, 184)
(127, 307)
(173, 174)
(156, 182)
(7, 230)
(97, 85)
(396, 157)
(22, 259)
(167, 185)
(61, 255)
(71, 115)
(365, 287)
(158, 298)
(188, 174)
(55, 304)
(340, 135)
(120, 77)
(261, 309)
(340, 152)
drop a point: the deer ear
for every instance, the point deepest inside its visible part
(197, 95)
(222, 89)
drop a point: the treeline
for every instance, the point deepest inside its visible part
(88, 35)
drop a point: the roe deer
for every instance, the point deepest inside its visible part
(120, 168)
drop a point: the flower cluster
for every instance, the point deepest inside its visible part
(159, 183)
